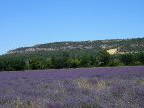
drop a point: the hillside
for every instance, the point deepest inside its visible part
(75, 55)
(112, 46)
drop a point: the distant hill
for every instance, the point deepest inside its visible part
(112, 46)
(58, 55)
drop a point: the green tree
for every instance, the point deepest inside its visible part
(86, 60)
(37, 63)
(140, 57)
(58, 62)
(127, 59)
(15, 64)
(103, 58)
(1, 65)
(73, 63)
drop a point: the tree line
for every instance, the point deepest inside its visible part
(66, 60)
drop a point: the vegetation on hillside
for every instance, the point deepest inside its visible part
(68, 59)
(118, 52)
(121, 45)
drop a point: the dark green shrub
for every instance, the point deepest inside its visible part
(127, 59)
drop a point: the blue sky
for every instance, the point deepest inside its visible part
(30, 22)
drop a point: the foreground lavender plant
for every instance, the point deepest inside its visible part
(121, 87)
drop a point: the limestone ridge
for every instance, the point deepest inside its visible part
(113, 46)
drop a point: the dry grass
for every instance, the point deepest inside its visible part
(112, 51)
(140, 82)
(92, 85)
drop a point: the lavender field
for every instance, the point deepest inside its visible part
(117, 87)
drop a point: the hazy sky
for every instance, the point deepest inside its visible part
(29, 22)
